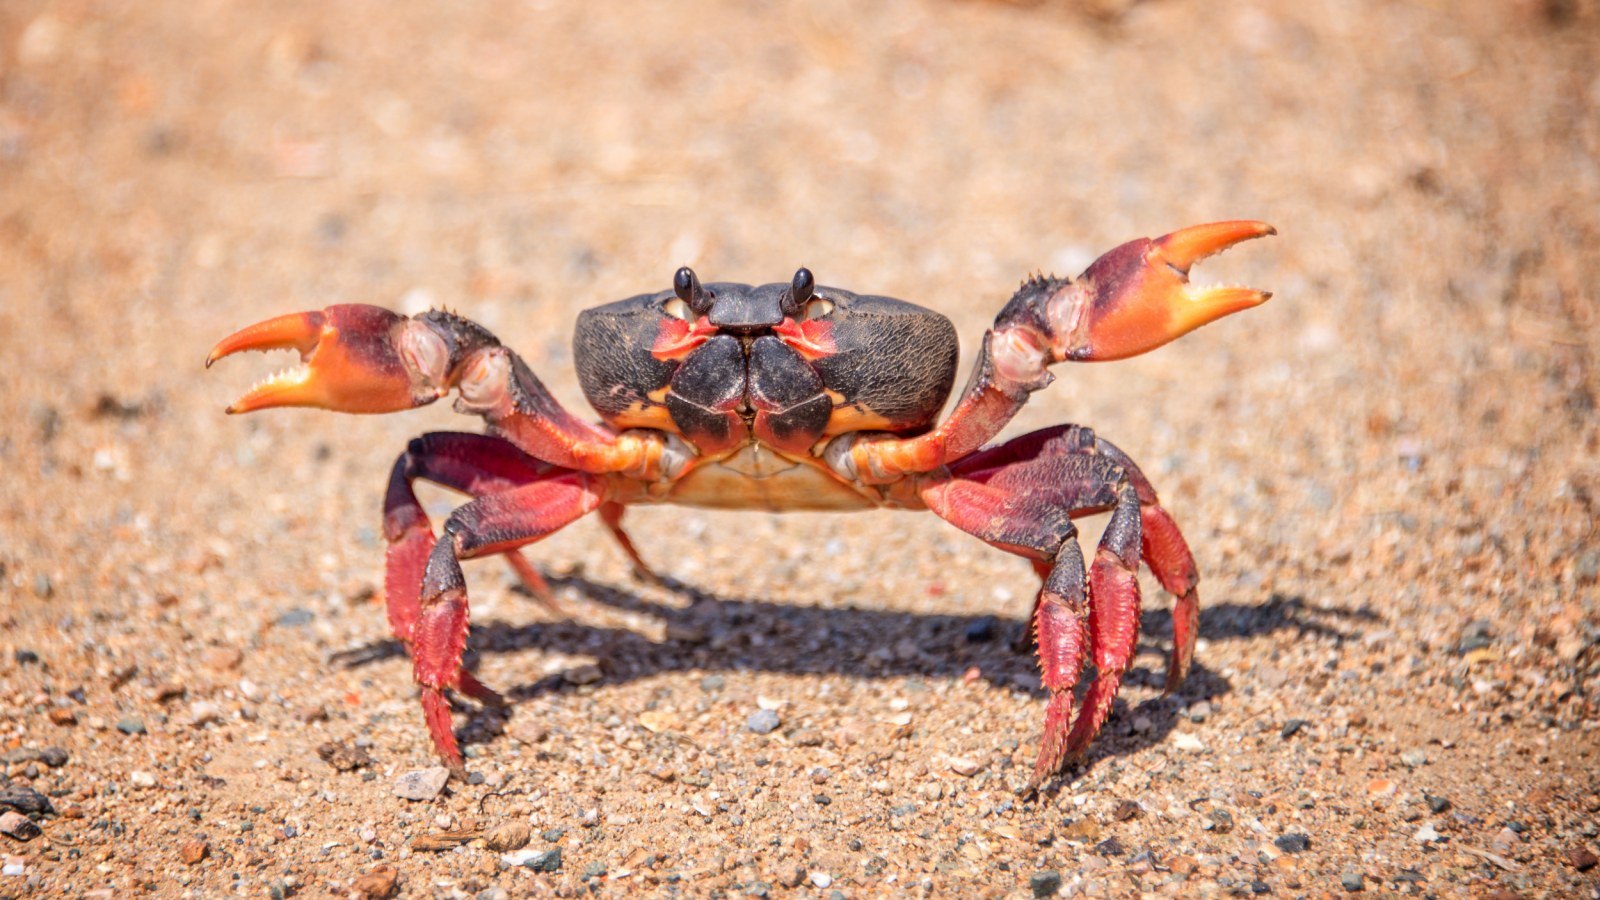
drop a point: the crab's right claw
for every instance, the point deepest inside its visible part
(1138, 296)
(355, 358)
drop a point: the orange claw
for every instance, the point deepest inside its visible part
(356, 358)
(1138, 296)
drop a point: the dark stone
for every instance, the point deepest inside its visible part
(1291, 728)
(982, 629)
(1352, 882)
(548, 861)
(25, 800)
(26, 657)
(1045, 884)
(1293, 843)
(1437, 804)
(1110, 847)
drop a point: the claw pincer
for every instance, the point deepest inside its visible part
(355, 358)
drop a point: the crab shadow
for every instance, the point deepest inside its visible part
(709, 632)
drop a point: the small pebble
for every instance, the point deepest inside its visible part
(510, 836)
(222, 659)
(712, 683)
(131, 726)
(142, 779)
(1187, 742)
(545, 860)
(63, 716)
(194, 851)
(1221, 821)
(581, 675)
(25, 800)
(1291, 728)
(421, 784)
(763, 721)
(1582, 858)
(26, 658)
(594, 870)
(1292, 842)
(203, 713)
(380, 883)
(821, 879)
(965, 767)
(1126, 810)
(1414, 758)
(1352, 881)
(17, 826)
(1045, 883)
(1427, 835)
(1437, 804)
(345, 757)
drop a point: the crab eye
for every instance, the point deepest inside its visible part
(816, 309)
(677, 309)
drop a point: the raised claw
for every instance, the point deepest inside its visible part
(355, 358)
(1138, 296)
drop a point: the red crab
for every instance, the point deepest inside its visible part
(778, 397)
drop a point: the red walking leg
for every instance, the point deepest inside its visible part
(437, 621)
(1021, 497)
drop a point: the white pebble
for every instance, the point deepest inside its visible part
(821, 879)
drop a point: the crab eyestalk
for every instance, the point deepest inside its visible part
(354, 358)
(1137, 297)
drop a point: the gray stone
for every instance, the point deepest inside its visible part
(763, 721)
(422, 784)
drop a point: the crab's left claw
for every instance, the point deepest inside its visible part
(355, 358)
(1138, 296)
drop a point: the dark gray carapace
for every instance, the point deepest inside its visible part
(891, 366)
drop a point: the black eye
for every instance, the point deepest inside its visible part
(685, 284)
(801, 287)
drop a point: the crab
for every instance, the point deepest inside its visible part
(785, 396)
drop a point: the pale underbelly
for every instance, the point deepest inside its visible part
(754, 477)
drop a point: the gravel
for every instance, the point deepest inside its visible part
(1386, 473)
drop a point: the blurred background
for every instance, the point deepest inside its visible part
(1390, 467)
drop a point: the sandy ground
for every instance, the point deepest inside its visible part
(1389, 473)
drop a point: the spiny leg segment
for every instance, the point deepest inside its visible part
(1021, 497)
